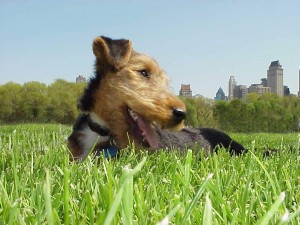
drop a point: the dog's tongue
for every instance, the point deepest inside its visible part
(147, 132)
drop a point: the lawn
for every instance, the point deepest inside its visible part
(38, 184)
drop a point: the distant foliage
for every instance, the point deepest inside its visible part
(266, 113)
(57, 103)
(200, 112)
(36, 102)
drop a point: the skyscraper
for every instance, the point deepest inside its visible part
(259, 89)
(264, 82)
(231, 86)
(240, 91)
(220, 95)
(275, 78)
(80, 79)
(186, 91)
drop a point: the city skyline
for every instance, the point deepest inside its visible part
(272, 84)
(296, 91)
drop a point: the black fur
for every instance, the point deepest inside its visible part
(87, 101)
(79, 125)
(218, 138)
(198, 138)
(97, 128)
(116, 47)
(81, 122)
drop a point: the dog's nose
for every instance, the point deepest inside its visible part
(179, 114)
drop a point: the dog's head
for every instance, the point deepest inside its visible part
(130, 93)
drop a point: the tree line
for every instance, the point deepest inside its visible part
(257, 113)
(40, 103)
(57, 103)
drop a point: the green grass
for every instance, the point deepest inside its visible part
(38, 184)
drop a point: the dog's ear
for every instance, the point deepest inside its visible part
(111, 52)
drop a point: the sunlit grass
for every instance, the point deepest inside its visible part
(38, 184)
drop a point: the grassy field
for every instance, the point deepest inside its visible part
(38, 185)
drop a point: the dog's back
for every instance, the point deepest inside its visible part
(206, 139)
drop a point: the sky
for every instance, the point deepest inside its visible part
(201, 43)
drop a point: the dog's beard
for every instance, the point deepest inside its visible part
(141, 130)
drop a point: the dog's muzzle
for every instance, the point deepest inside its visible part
(179, 114)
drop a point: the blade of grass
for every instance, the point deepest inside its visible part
(234, 217)
(268, 216)
(13, 212)
(66, 196)
(195, 200)
(187, 171)
(47, 197)
(118, 198)
(127, 199)
(266, 172)
(165, 221)
(287, 217)
(89, 206)
(208, 212)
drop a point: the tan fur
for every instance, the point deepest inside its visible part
(150, 98)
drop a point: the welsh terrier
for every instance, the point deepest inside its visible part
(129, 101)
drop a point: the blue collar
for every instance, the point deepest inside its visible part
(109, 152)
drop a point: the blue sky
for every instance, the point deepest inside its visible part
(200, 43)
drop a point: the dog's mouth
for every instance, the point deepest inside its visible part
(142, 131)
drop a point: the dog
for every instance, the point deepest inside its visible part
(129, 101)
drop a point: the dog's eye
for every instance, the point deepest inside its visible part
(144, 73)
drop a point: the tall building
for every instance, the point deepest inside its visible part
(186, 91)
(220, 95)
(231, 86)
(264, 82)
(259, 89)
(286, 91)
(80, 79)
(240, 92)
(275, 78)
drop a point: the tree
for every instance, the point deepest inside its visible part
(220, 113)
(12, 104)
(191, 118)
(63, 101)
(35, 97)
(204, 108)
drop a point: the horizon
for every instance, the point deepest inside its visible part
(201, 44)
